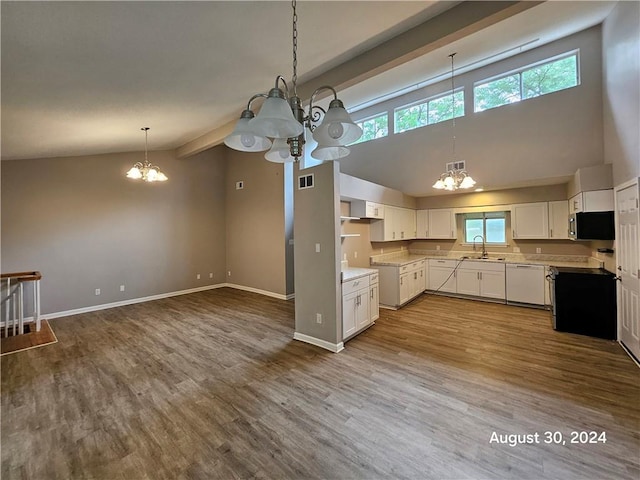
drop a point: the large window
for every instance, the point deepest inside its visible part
(491, 225)
(426, 112)
(373, 127)
(529, 82)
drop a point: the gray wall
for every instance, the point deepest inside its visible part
(81, 223)
(317, 275)
(549, 136)
(621, 96)
(256, 231)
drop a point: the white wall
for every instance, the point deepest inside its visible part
(548, 136)
(621, 95)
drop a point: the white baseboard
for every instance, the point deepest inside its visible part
(267, 293)
(131, 301)
(332, 347)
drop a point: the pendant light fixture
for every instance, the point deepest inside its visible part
(145, 171)
(455, 176)
(283, 119)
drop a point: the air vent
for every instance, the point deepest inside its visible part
(305, 181)
(455, 166)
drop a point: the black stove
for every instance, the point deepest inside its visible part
(584, 301)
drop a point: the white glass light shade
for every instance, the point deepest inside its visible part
(280, 152)
(322, 152)
(134, 173)
(439, 185)
(275, 120)
(336, 128)
(244, 139)
(467, 182)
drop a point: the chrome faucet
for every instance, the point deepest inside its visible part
(484, 249)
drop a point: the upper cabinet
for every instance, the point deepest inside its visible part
(442, 223)
(398, 224)
(530, 220)
(422, 224)
(594, 201)
(363, 209)
(559, 220)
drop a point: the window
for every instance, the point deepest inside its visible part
(491, 225)
(433, 110)
(532, 81)
(373, 127)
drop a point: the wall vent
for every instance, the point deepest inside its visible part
(305, 181)
(455, 166)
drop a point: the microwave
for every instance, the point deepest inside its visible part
(591, 226)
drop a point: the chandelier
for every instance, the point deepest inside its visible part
(283, 119)
(455, 177)
(145, 171)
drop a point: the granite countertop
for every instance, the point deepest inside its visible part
(351, 273)
(400, 259)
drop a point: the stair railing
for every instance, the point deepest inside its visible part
(13, 300)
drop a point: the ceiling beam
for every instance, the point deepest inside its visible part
(458, 22)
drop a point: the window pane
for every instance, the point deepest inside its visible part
(496, 230)
(497, 92)
(410, 118)
(472, 227)
(373, 128)
(550, 77)
(440, 108)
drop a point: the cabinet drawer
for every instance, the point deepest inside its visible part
(355, 285)
(373, 278)
(442, 263)
(482, 266)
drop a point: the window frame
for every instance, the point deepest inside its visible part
(427, 101)
(484, 216)
(368, 118)
(520, 71)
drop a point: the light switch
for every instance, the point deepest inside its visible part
(317, 248)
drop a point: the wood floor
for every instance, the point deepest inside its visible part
(211, 385)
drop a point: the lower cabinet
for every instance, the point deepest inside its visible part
(481, 279)
(478, 279)
(360, 307)
(402, 283)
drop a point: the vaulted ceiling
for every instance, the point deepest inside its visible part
(82, 78)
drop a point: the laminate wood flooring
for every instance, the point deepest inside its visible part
(211, 385)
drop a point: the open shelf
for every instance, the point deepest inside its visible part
(342, 219)
(345, 235)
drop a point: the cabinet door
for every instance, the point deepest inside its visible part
(406, 284)
(598, 201)
(422, 224)
(408, 228)
(530, 220)
(442, 223)
(362, 309)
(468, 282)
(422, 279)
(492, 284)
(575, 203)
(374, 302)
(349, 314)
(441, 279)
(559, 220)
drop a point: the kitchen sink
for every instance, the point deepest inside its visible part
(486, 259)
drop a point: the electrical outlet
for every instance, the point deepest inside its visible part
(97, 291)
(122, 288)
(538, 250)
(318, 318)
(229, 273)
(317, 248)
(197, 276)
(355, 254)
(437, 247)
(210, 275)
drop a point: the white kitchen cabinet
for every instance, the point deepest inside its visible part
(530, 220)
(398, 224)
(364, 209)
(374, 297)
(594, 201)
(526, 284)
(422, 224)
(482, 279)
(356, 301)
(441, 275)
(442, 223)
(559, 220)
(402, 283)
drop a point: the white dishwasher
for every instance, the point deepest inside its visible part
(525, 283)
